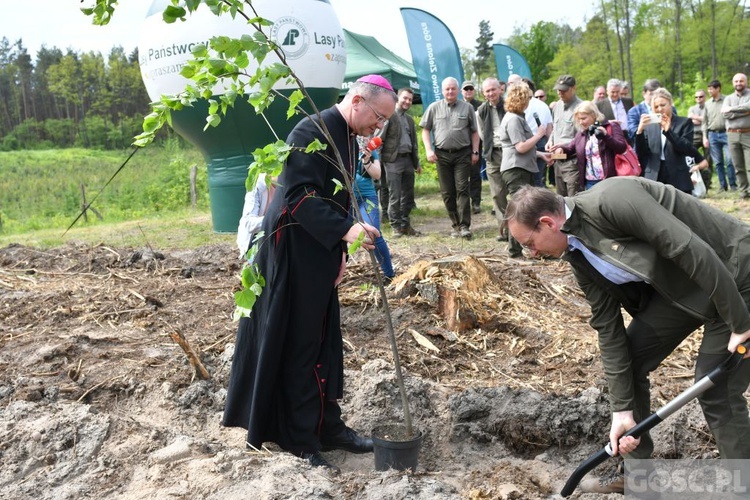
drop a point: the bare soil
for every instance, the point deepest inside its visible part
(98, 401)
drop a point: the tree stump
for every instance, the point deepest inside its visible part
(452, 285)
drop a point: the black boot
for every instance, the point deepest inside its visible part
(347, 440)
(317, 460)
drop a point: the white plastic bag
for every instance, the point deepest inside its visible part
(699, 188)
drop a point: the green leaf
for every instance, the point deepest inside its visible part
(245, 298)
(242, 61)
(172, 13)
(315, 145)
(192, 5)
(247, 276)
(357, 243)
(212, 121)
(295, 99)
(339, 186)
(199, 50)
(188, 71)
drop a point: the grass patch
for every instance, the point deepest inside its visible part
(183, 229)
(43, 189)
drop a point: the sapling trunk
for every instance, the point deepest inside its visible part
(394, 347)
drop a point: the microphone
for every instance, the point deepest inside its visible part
(538, 121)
(371, 146)
(374, 144)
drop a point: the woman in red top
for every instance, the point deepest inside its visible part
(595, 145)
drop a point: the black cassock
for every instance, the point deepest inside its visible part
(287, 371)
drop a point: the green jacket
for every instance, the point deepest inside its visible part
(392, 137)
(696, 256)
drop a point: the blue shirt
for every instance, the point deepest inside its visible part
(615, 274)
(364, 187)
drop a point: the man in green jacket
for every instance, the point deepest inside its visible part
(674, 264)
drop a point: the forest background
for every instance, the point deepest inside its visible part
(66, 99)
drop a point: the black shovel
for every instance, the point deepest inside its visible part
(705, 383)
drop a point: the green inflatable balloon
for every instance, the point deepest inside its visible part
(313, 42)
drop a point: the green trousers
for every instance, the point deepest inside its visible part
(653, 334)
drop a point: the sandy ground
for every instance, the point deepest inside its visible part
(98, 401)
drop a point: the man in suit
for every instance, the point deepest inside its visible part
(614, 107)
(599, 93)
(401, 159)
(634, 114)
(674, 264)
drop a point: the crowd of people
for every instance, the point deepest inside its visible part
(576, 145)
(643, 244)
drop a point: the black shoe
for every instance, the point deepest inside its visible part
(317, 460)
(349, 441)
(476, 209)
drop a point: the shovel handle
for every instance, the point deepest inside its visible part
(645, 425)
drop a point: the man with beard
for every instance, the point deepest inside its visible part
(736, 112)
(401, 158)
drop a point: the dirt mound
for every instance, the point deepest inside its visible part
(97, 400)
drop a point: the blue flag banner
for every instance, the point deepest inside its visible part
(434, 52)
(509, 61)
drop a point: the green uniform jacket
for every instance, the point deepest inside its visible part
(694, 255)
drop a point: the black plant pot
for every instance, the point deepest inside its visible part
(394, 449)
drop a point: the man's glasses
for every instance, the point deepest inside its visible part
(381, 119)
(541, 96)
(529, 245)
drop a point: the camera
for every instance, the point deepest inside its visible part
(594, 130)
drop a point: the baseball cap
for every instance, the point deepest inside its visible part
(565, 82)
(467, 83)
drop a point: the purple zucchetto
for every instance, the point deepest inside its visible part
(376, 80)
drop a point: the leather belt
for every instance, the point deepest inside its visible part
(718, 131)
(739, 130)
(456, 150)
(404, 154)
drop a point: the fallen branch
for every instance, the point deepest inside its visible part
(95, 387)
(193, 358)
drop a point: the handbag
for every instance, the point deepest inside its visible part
(627, 163)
